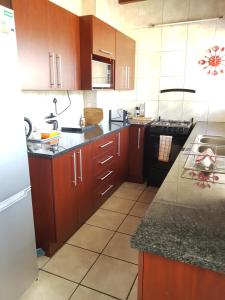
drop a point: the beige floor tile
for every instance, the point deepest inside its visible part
(111, 276)
(133, 294)
(118, 204)
(129, 225)
(41, 261)
(49, 287)
(128, 193)
(139, 209)
(119, 247)
(132, 185)
(106, 219)
(91, 238)
(71, 262)
(147, 197)
(83, 293)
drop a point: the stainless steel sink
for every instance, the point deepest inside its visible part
(217, 141)
(202, 143)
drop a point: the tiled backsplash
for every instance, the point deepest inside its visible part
(166, 58)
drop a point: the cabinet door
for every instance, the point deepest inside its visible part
(31, 32)
(136, 156)
(125, 62)
(65, 204)
(64, 47)
(122, 154)
(83, 186)
(104, 37)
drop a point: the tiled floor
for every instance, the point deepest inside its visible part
(97, 262)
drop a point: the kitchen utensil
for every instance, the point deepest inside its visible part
(28, 127)
(93, 115)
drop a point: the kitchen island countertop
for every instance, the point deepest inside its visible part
(186, 222)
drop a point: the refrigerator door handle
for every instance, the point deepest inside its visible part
(14, 199)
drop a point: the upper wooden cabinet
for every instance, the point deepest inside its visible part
(31, 32)
(48, 45)
(97, 40)
(63, 48)
(125, 62)
(103, 38)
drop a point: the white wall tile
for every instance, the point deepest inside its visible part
(203, 9)
(129, 15)
(149, 40)
(217, 111)
(147, 88)
(175, 10)
(196, 110)
(171, 109)
(149, 64)
(201, 35)
(173, 63)
(174, 38)
(151, 109)
(150, 12)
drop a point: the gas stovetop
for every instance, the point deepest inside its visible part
(171, 126)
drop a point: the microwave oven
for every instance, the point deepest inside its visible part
(102, 73)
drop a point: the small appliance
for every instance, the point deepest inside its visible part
(118, 115)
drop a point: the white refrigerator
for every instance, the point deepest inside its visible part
(18, 264)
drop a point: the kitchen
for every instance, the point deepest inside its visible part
(166, 57)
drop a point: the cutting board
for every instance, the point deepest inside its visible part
(93, 115)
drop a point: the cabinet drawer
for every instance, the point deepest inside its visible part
(104, 190)
(105, 145)
(103, 162)
(104, 176)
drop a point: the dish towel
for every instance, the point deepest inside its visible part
(165, 143)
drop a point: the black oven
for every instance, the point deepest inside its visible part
(155, 169)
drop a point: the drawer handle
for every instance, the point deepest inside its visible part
(107, 175)
(107, 159)
(108, 189)
(104, 51)
(105, 145)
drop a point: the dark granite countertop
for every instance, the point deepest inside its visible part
(186, 222)
(69, 141)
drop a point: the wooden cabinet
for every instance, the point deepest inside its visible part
(136, 155)
(122, 138)
(31, 33)
(164, 279)
(97, 40)
(83, 182)
(48, 45)
(64, 48)
(68, 188)
(6, 3)
(61, 195)
(125, 62)
(103, 38)
(104, 153)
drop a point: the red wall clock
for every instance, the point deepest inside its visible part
(214, 61)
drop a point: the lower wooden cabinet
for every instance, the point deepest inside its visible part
(136, 154)
(69, 188)
(164, 279)
(122, 138)
(61, 195)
